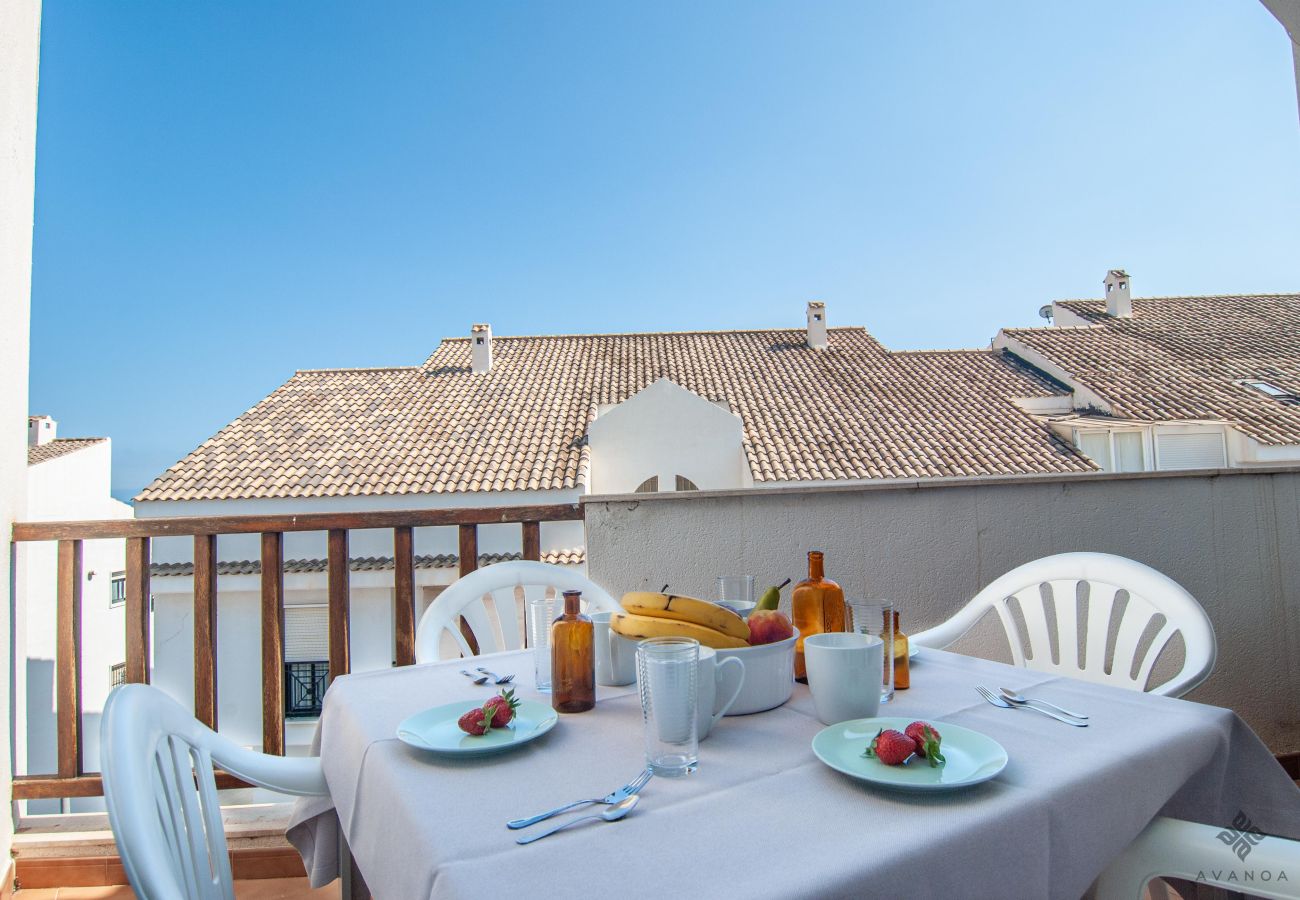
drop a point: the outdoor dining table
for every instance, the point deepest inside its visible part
(762, 816)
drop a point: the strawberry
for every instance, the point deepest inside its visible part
(502, 708)
(891, 747)
(927, 740)
(477, 721)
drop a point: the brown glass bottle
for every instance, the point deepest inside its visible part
(573, 658)
(817, 605)
(902, 668)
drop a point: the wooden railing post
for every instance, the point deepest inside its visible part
(137, 610)
(339, 602)
(404, 595)
(273, 643)
(205, 629)
(68, 658)
(533, 541)
(468, 563)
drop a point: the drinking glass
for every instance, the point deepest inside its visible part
(539, 612)
(736, 591)
(666, 671)
(877, 617)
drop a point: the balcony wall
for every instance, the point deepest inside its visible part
(1230, 537)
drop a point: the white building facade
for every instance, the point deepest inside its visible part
(66, 479)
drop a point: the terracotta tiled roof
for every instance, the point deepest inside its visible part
(58, 447)
(853, 410)
(1181, 358)
(366, 563)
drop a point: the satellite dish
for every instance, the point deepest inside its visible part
(1045, 312)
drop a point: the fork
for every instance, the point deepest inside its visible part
(1017, 698)
(498, 679)
(1003, 703)
(632, 787)
(477, 679)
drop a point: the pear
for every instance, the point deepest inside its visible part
(771, 598)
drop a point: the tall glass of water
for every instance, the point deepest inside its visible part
(877, 617)
(736, 591)
(538, 613)
(665, 673)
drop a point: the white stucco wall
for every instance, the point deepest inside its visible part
(19, 55)
(666, 431)
(75, 486)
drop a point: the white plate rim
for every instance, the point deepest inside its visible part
(900, 722)
(407, 735)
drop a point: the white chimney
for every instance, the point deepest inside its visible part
(1119, 302)
(41, 430)
(480, 340)
(816, 324)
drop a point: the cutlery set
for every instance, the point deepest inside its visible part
(1008, 699)
(483, 678)
(620, 803)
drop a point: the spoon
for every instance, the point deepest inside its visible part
(613, 814)
(500, 679)
(481, 679)
(1016, 698)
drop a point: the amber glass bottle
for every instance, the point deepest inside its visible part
(573, 658)
(818, 605)
(902, 670)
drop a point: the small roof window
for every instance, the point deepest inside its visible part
(1272, 390)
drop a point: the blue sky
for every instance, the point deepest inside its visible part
(227, 192)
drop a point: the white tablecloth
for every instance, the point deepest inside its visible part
(763, 817)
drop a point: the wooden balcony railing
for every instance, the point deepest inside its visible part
(71, 780)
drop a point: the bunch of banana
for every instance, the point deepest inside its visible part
(667, 615)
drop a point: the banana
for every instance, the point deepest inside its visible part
(638, 627)
(687, 609)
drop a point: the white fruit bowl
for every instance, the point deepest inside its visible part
(769, 675)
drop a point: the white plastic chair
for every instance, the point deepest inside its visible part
(1177, 849)
(465, 598)
(161, 795)
(1150, 594)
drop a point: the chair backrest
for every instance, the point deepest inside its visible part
(161, 794)
(498, 581)
(1047, 590)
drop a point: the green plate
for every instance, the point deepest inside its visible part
(972, 757)
(436, 729)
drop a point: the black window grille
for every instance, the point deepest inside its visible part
(304, 688)
(117, 589)
(118, 675)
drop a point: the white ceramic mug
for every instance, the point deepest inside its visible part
(844, 672)
(615, 654)
(710, 687)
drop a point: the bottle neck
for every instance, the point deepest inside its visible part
(815, 571)
(572, 603)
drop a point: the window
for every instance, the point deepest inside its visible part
(117, 589)
(685, 484)
(304, 688)
(649, 486)
(1115, 451)
(1096, 444)
(1194, 450)
(117, 675)
(1279, 394)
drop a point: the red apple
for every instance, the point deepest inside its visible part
(767, 626)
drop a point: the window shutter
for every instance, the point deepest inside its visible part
(306, 633)
(1191, 451)
(1128, 451)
